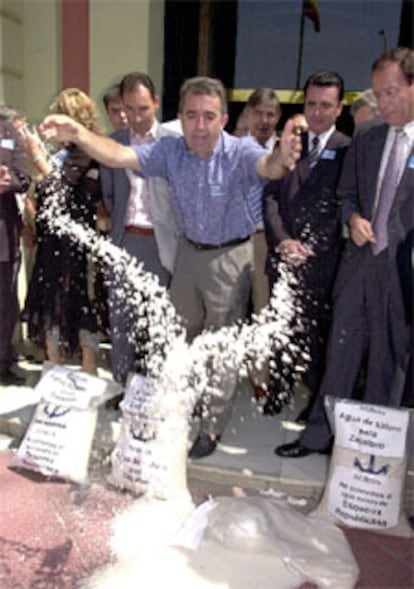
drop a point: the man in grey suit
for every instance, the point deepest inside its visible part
(13, 179)
(141, 218)
(372, 323)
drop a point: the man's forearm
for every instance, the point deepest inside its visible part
(272, 166)
(105, 150)
(99, 147)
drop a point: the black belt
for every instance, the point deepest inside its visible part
(210, 246)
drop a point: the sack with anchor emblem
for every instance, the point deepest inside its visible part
(58, 440)
(150, 455)
(365, 485)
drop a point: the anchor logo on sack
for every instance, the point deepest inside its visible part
(370, 469)
(143, 434)
(74, 381)
(53, 411)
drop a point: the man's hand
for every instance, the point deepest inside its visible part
(5, 178)
(293, 252)
(60, 128)
(360, 230)
(277, 164)
(103, 149)
(290, 145)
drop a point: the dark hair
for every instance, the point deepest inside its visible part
(264, 96)
(326, 79)
(203, 85)
(112, 94)
(403, 56)
(134, 79)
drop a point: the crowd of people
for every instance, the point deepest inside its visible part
(215, 217)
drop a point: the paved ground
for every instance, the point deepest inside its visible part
(52, 534)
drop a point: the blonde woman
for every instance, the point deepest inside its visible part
(58, 310)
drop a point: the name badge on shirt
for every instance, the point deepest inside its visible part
(410, 163)
(216, 190)
(7, 143)
(328, 154)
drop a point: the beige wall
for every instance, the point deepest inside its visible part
(11, 54)
(41, 55)
(125, 35)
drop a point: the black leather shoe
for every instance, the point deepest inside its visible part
(297, 450)
(203, 446)
(8, 378)
(114, 402)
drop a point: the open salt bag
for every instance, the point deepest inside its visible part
(151, 452)
(59, 437)
(367, 472)
(263, 542)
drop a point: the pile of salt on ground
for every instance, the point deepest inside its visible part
(226, 543)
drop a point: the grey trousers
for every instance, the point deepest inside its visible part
(368, 330)
(210, 289)
(144, 249)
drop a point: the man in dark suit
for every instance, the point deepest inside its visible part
(141, 218)
(13, 179)
(302, 224)
(372, 322)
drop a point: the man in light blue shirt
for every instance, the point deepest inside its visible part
(211, 175)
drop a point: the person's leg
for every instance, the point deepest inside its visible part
(389, 337)
(144, 249)
(89, 343)
(260, 300)
(346, 350)
(53, 352)
(260, 281)
(122, 317)
(185, 292)
(8, 311)
(225, 285)
(8, 318)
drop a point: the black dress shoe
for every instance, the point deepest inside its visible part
(203, 446)
(297, 450)
(114, 402)
(8, 378)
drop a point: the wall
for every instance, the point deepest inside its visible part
(11, 55)
(41, 35)
(124, 36)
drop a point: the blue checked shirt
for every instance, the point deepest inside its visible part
(212, 196)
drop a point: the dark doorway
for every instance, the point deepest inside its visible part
(200, 39)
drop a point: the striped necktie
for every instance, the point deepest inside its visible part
(314, 152)
(387, 193)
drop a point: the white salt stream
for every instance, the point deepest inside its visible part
(248, 543)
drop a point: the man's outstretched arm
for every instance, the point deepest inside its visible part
(99, 147)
